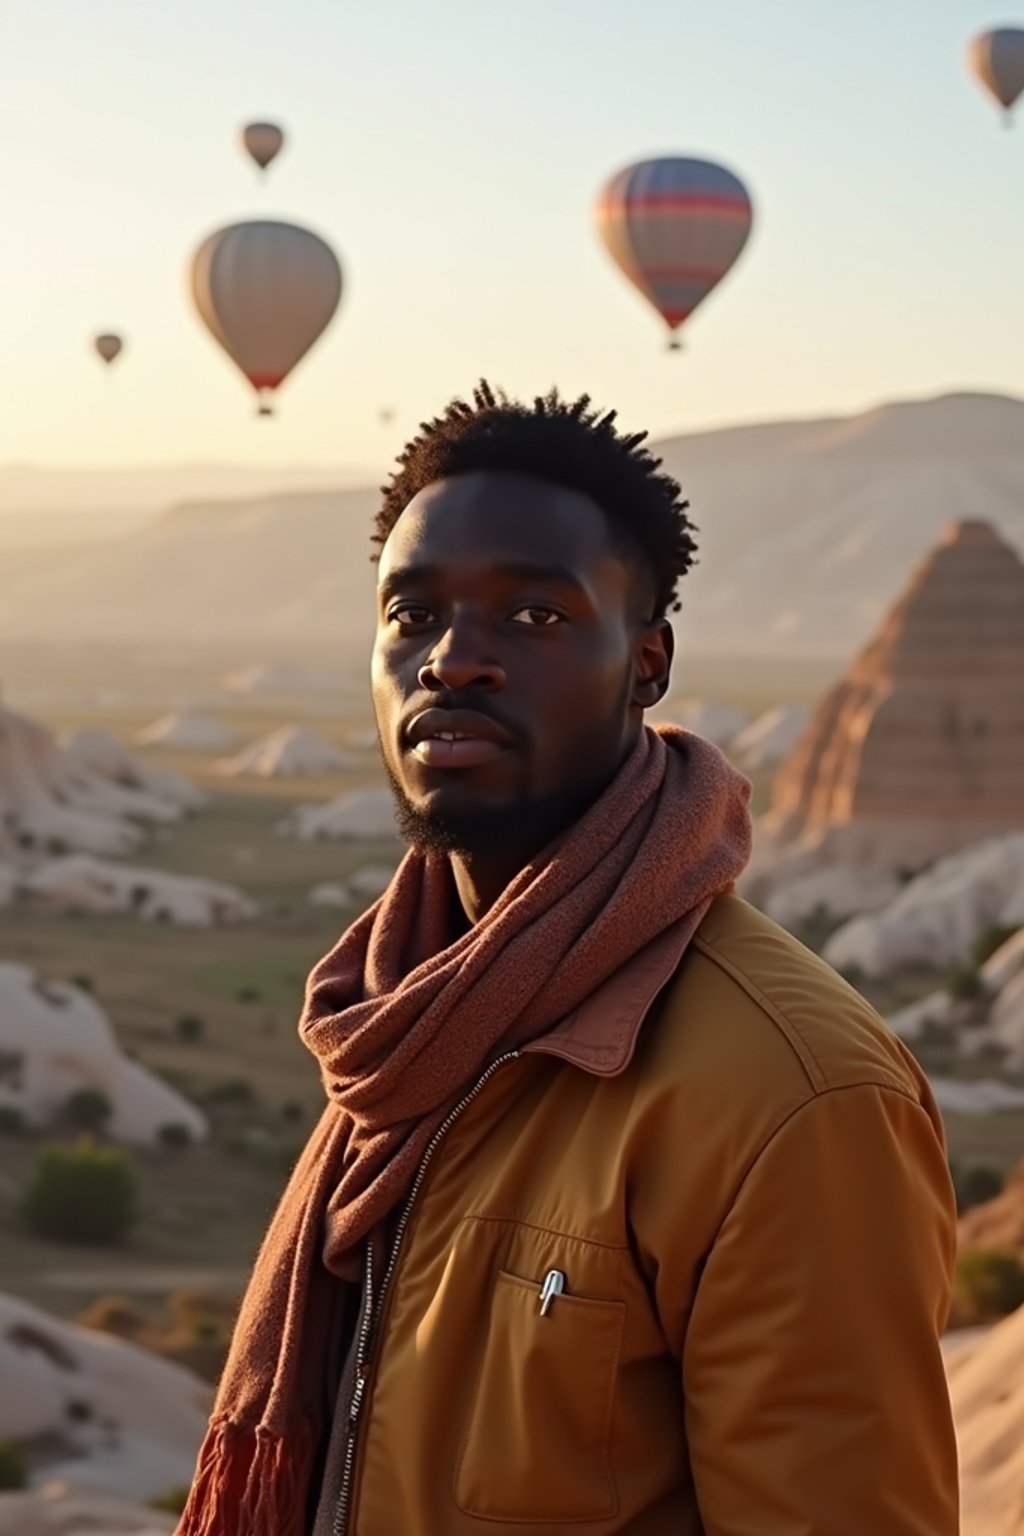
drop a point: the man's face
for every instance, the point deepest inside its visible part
(509, 671)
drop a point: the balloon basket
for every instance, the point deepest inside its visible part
(264, 410)
(674, 345)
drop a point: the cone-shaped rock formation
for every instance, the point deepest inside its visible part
(919, 750)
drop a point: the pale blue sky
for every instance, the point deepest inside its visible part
(451, 151)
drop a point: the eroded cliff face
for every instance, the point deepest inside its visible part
(919, 749)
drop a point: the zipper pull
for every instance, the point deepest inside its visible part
(554, 1285)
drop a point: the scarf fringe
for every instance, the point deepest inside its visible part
(250, 1482)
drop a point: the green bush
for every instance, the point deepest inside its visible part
(174, 1500)
(990, 1283)
(13, 1467)
(292, 1112)
(964, 984)
(232, 1090)
(81, 1194)
(190, 1027)
(12, 1121)
(174, 1136)
(975, 1185)
(87, 1109)
(989, 940)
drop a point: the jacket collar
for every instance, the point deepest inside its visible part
(601, 1034)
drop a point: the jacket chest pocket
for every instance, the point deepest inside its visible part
(537, 1444)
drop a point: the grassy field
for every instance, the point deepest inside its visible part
(204, 1208)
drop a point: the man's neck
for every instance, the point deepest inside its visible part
(480, 878)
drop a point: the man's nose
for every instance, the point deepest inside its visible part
(461, 659)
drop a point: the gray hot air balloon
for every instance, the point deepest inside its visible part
(996, 59)
(263, 142)
(266, 291)
(109, 345)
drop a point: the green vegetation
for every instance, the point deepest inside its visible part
(175, 1136)
(190, 1027)
(989, 940)
(174, 1500)
(81, 1194)
(989, 1284)
(13, 1467)
(12, 1121)
(87, 1109)
(976, 1185)
(965, 984)
(231, 1091)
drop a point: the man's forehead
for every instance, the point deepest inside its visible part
(497, 516)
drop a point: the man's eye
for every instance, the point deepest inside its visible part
(536, 618)
(410, 613)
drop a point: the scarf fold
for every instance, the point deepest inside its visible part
(403, 1022)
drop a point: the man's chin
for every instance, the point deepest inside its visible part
(444, 823)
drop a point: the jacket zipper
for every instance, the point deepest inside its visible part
(372, 1312)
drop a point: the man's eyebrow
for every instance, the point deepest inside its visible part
(405, 576)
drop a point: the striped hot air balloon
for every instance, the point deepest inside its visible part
(674, 226)
(265, 291)
(996, 59)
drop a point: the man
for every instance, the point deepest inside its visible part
(626, 1214)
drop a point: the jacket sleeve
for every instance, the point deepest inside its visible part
(815, 1394)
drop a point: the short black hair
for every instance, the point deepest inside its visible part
(568, 443)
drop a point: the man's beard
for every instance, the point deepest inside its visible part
(473, 829)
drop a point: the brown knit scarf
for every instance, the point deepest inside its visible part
(402, 1022)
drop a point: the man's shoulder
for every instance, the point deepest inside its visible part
(750, 1001)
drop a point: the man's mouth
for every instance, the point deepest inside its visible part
(462, 738)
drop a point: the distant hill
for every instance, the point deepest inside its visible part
(807, 531)
(28, 491)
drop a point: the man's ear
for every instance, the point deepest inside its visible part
(652, 659)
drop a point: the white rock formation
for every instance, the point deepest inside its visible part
(839, 890)
(936, 919)
(110, 759)
(984, 1096)
(189, 731)
(59, 1509)
(263, 681)
(986, 1384)
(330, 894)
(80, 883)
(55, 1040)
(711, 718)
(364, 885)
(771, 737)
(910, 1022)
(367, 814)
(145, 1416)
(47, 803)
(290, 753)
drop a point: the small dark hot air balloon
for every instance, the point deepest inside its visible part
(262, 142)
(674, 226)
(109, 345)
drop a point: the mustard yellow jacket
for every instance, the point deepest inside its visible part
(681, 1267)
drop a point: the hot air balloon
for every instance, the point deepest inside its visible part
(997, 60)
(263, 142)
(109, 345)
(674, 226)
(265, 290)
